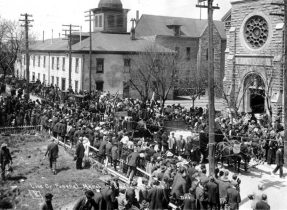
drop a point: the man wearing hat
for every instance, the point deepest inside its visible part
(87, 203)
(48, 202)
(5, 159)
(53, 153)
(233, 198)
(279, 161)
(80, 153)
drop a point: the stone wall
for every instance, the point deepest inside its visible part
(242, 59)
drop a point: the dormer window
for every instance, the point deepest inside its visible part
(176, 28)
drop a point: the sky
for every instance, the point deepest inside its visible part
(50, 15)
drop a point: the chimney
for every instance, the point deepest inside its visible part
(52, 37)
(133, 31)
(137, 17)
(43, 36)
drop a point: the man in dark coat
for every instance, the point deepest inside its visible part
(133, 160)
(157, 197)
(189, 201)
(262, 204)
(102, 150)
(109, 151)
(179, 185)
(5, 159)
(279, 162)
(53, 153)
(99, 199)
(212, 191)
(48, 202)
(108, 196)
(87, 202)
(233, 198)
(80, 153)
(115, 155)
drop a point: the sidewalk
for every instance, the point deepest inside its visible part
(274, 187)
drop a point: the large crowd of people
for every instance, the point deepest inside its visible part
(134, 131)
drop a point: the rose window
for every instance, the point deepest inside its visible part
(256, 32)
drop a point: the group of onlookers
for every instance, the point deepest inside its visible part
(94, 121)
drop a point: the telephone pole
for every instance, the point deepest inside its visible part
(70, 30)
(211, 108)
(283, 14)
(26, 25)
(90, 51)
(285, 80)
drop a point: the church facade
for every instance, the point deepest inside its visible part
(253, 80)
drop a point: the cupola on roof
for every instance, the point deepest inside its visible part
(115, 4)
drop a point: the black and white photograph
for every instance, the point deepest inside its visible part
(143, 104)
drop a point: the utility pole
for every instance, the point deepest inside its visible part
(90, 51)
(26, 25)
(70, 30)
(211, 108)
(285, 81)
(280, 14)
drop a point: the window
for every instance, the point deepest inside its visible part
(76, 85)
(100, 21)
(207, 53)
(120, 21)
(52, 80)
(44, 78)
(111, 20)
(177, 50)
(34, 61)
(33, 76)
(96, 21)
(24, 59)
(63, 83)
(100, 65)
(127, 64)
(256, 32)
(126, 90)
(57, 81)
(58, 63)
(39, 75)
(39, 60)
(188, 53)
(77, 65)
(44, 61)
(53, 62)
(63, 64)
(100, 85)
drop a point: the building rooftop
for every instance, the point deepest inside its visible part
(101, 42)
(114, 4)
(50, 45)
(150, 25)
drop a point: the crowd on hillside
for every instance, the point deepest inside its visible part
(134, 131)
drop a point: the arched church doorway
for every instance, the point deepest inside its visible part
(255, 93)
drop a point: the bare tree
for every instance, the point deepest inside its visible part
(154, 70)
(11, 44)
(140, 78)
(194, 87)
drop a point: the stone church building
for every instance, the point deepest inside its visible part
(253, 79)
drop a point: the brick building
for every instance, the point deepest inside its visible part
(113, 49)
(189, 37)
(253, 67)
